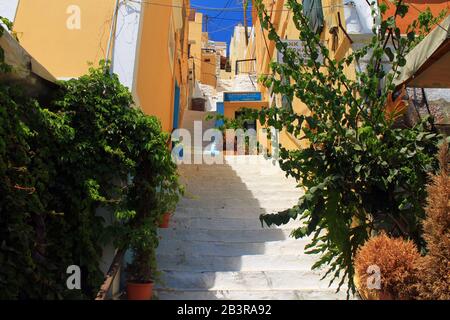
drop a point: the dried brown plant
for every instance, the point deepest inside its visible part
(396, 259)
(434, 268)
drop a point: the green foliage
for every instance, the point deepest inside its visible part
(8, 24)
(360, 175)
(87, 149)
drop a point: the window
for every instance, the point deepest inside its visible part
(313, 10)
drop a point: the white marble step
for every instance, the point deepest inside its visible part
(244, 280)
(198, 263)
(225, 223)
(307, 294)
(227, 193)
(232, 249)
(238, 204)
(243, 212)
(225, 235)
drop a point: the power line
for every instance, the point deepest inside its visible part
(235, 9)
(222, 29)
(225, 7)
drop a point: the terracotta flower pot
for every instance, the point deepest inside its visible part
(164, 224)
(139, 291)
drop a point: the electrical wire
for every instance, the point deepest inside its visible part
(235, 9)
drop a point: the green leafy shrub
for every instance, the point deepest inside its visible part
(359, 173)
(85, 148)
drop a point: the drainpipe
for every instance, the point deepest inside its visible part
(111, 31)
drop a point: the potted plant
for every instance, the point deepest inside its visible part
(169, 197)
(141, 272)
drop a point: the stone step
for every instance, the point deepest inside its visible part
(226, 193)
(198, 263)
(251, 168)
(225, 235)
(231, 177)
(223, 223)
(244, 280)
(247, 212)
(220, 189)
(240, 204)
(308, 294)
(232, 249)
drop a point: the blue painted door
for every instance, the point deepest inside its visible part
(220, 110)
(176, 107)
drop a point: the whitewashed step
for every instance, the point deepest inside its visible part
(307, 294)
(227, 193)
(224, 223)
(248, 212)
(226, 235)
(219, 189)
(249, 202)
(232, 249)
(244, 280)
(197, 263)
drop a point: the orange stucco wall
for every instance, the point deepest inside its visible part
(41, 26)
(155, 78)
(264, 51)
(415, 7)
(209, 62)
(195, 39)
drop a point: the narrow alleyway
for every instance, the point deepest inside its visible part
(216, 247)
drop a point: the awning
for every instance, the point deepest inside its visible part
(28, 72)
(428, 64)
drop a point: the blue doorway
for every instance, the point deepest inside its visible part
(176, 107)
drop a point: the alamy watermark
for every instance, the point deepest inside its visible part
(73, 281)
(210, 146)
(73, 22)
(374, 278)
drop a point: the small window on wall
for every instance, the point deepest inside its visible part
(313, 10)
(207, 60)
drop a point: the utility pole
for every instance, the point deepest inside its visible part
(245, 5)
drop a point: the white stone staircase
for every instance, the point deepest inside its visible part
(216, 247)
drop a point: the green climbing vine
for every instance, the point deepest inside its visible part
(64, 159)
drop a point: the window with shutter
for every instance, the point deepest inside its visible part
(314, 11)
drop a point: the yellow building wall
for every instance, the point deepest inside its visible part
(265, 50)
(195, 40)
(41, 26)
(156, 75)
(230, 109)
(209, 63)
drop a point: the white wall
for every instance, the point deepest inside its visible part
(127, 41)
(8, 9)
(358, 17)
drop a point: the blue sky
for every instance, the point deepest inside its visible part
(220, 25)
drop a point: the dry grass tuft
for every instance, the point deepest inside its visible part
(397, 260)
(434, 268)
